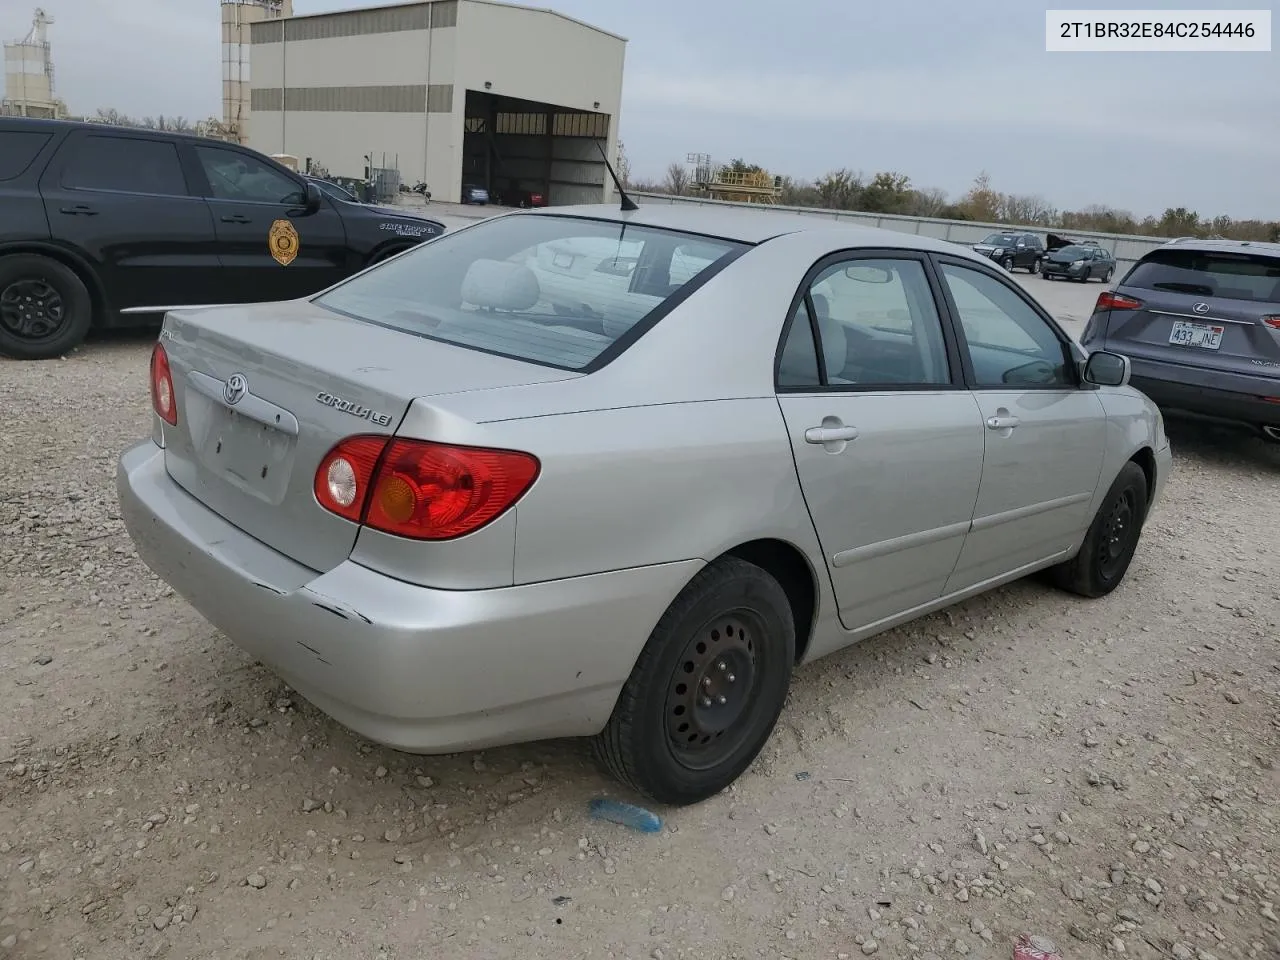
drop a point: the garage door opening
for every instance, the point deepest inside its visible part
(525, 153)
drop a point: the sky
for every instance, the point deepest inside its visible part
(935, 89)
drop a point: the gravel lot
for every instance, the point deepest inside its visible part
(1100, 773)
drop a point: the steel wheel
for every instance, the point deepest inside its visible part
(710, 690)
(706, 691)
(31, 308)
(1117, 529)
(45, 308)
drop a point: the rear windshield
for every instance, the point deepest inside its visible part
(17, 149)
(552, 290)
(1236, 276)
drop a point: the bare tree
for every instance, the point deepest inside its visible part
(928, 201)
(624, 166)
(115, 117)
(1028, 209)
(677, 178)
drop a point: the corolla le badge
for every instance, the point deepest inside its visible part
(1201, 308)
(234, 389)
(353, 408)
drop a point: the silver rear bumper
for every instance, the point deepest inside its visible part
(418, 669)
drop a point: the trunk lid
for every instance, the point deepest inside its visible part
(264, 391)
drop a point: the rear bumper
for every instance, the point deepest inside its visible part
(418, 669)
(1228, 397)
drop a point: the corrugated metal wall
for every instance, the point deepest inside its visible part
(1126, 249)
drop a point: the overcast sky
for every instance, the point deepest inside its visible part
(935, 89)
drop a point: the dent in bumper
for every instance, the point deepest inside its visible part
(415, 668)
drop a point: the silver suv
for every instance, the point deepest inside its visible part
(1200, 323)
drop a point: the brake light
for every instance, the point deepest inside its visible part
(1272, 322)
(162, 397)
(419, 489)
(1107, 300)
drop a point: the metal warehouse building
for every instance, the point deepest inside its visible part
(450, 92)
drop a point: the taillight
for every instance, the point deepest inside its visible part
(162, 398)
(419, 489)
(1107, 300)
(1272, 322)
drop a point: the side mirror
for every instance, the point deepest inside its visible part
(314, 198)
(1107, 369)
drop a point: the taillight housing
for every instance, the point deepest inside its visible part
(163, 399)
(419, 489)
(1273, 322)
(1110, 300)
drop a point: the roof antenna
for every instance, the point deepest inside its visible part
(627, 202)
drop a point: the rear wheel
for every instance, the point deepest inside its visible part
(45, 309)
(1035, 265)
(1106, 277)
(1113, 536)
(707, 689)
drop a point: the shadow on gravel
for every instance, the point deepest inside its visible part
(1222, 446)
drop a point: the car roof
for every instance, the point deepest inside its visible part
(749, 226)
(1262, 247)
(43, 123)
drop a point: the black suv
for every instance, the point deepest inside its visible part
(1013, 250)
(110, 226)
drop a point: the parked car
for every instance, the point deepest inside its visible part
(1013, 250)
(1080, 262)
(1200, 322)
(112, 226)
(475, 194)
(516, 196)
(453, 518)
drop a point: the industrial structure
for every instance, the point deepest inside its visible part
(717, 181)
(28, 74)
(480, 92)
(238, 18)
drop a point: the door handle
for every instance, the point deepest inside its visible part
(79, 210)
(1002, 423)
(236, 218)
(830, 434)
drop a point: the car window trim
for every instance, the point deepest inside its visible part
(54, 170)
(1070, 360)
(950, 343)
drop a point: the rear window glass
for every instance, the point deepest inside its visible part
(17, 149)
(1235, 276)
(553, 290)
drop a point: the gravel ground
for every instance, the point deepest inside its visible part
(1100, 773)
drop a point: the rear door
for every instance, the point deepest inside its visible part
(272, 248)
(1045, 433)
(1202, 309)
(887, 442)
(122, 199)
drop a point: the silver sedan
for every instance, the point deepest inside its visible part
(614, 474)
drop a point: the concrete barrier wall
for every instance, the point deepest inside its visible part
(1126, 249)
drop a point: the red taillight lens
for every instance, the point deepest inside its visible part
(1114, 301)
(345, 476)
(162, 398)
(421, 490)
(1272, 322)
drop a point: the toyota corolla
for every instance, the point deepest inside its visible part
(453, 514)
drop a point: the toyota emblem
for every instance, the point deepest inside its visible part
(234, 389)
(1201, 308)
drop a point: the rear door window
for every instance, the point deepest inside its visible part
(554, 290)
(17, 149)
(1235, 276)
(124, 165)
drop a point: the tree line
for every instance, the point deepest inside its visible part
(893, 192)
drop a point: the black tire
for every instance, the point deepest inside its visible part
(1106, 277)
(739, 610)
(1007, 263)
(1103, 559)
(45, 309)
(1035, 266)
